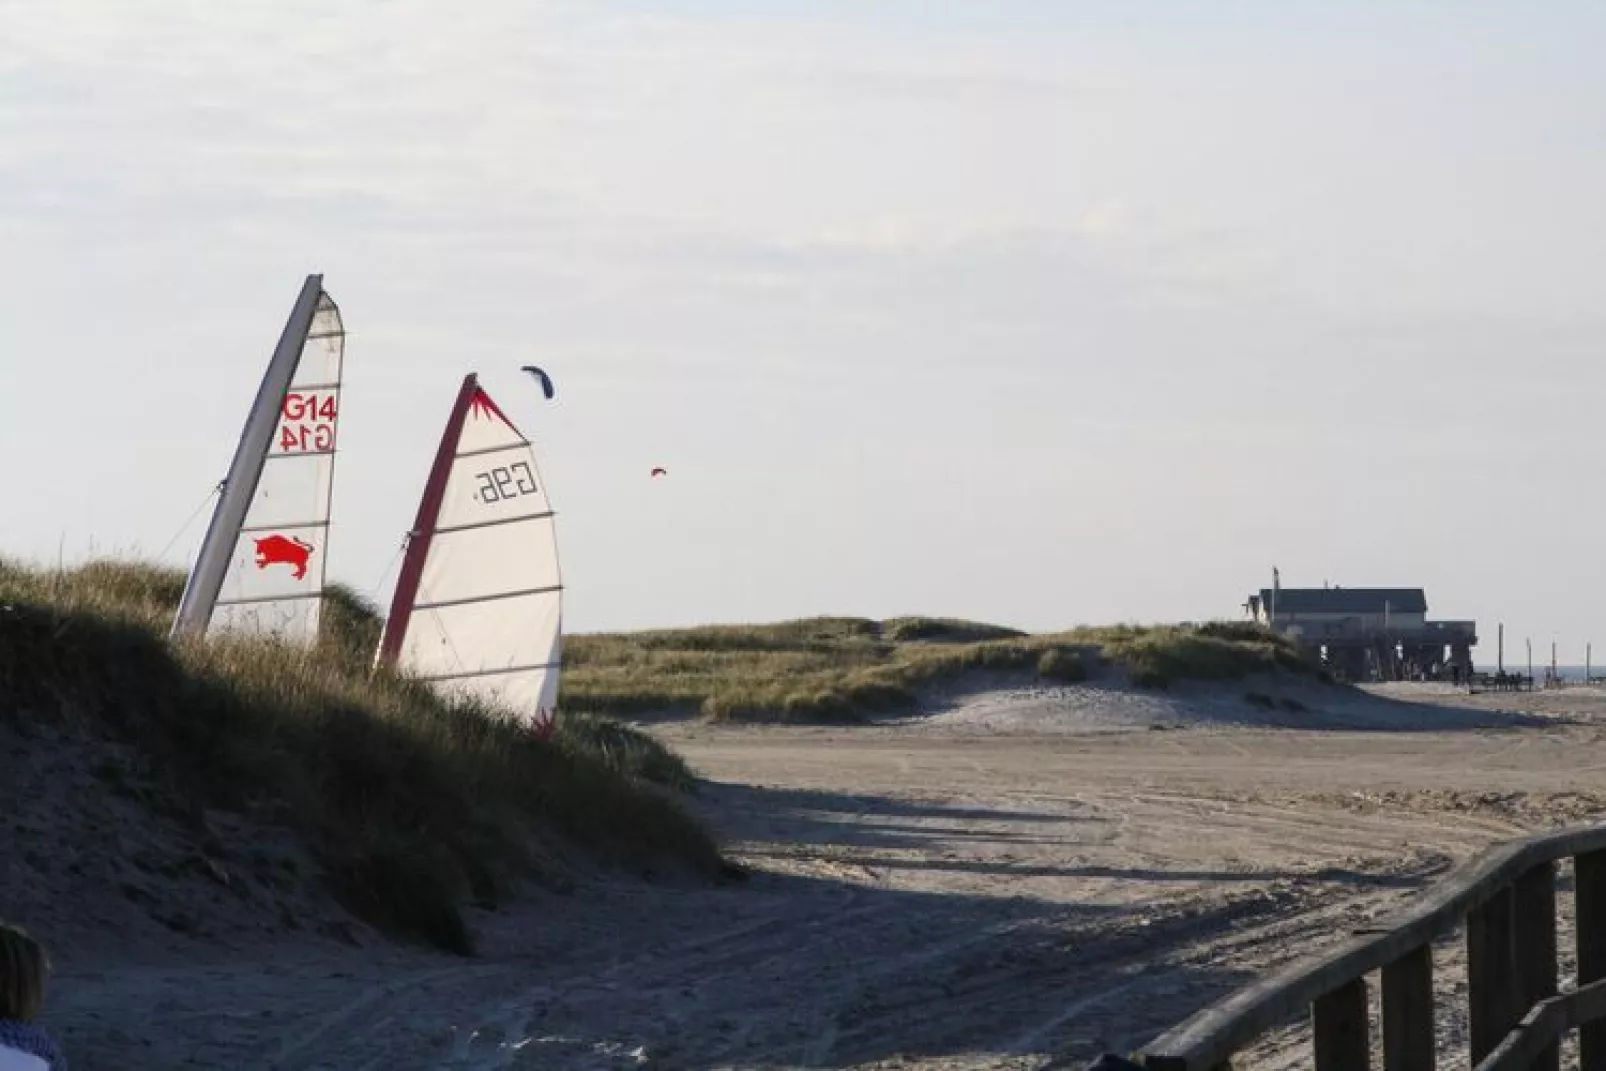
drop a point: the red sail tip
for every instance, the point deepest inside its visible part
(484, 408)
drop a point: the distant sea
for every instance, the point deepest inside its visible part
(1520, 665)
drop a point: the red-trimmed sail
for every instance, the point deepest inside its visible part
(478, 603)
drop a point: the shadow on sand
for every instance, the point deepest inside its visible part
(794, 968)
(860, 973)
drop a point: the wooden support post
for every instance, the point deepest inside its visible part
(1339, 1024)
(1589, 889)
(1408, 1012)
(1534, 937)
(1492, 987)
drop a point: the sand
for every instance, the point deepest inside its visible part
(1022, 879)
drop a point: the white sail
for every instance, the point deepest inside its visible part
(478, 604)
(261, 568)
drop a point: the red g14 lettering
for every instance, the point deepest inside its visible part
(309, 422)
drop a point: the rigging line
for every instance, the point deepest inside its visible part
(434, 613)
(451, 645)
(180, 533)
(440, 623)
(400, 550)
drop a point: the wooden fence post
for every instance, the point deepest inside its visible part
(1408, 1012)
(1534, 935)
(1492, 986)
(1339, 1023)
(1589, 890)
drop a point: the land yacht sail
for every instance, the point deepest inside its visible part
(478, 604)
(261, 565)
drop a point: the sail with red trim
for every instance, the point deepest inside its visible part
(261, 566)
(478, 605)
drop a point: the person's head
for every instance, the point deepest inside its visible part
(23, 970)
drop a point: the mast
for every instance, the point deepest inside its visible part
(423, 531)
(206, 577)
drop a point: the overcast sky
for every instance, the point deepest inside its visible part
(1038, 312)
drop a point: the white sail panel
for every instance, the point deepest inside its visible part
(282, 617)
(532, 694)
(493, 561)
(486, 618)
(465, 643)
(274, 580)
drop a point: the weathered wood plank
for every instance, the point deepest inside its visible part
(1339, 1029)
(1580, 1006)
(1534, 942)
(1589, 891)
(1408, 1012)
(1494, 1001)
(1215, 1033)
(1543, 1026)
(1538, 1029)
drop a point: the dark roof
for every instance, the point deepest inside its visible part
(1347, 600)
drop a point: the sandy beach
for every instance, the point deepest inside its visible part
(1022, 879)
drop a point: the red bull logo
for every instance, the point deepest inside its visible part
(280, 550)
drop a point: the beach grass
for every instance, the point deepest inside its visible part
(848, 669)
(413, 805)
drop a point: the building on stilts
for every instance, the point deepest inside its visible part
(1368, 634)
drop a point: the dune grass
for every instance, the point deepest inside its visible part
(413, 805)
(817, 669)
(1220, 651)
(848, 669)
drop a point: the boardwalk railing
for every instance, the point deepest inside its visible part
(1507, 897)
(1500, 682)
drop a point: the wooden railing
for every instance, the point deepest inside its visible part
(1500, 682)
(1507, 897)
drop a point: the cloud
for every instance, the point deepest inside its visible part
(866, 281)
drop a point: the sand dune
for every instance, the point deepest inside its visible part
(1272, 702)
(1020, 880)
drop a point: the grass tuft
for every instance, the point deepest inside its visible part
(1158, 657)
(944, 630)
(1058, 664)
(406, 889)
(623, 750)
(350, 627)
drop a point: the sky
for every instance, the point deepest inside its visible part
(1042, 312)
